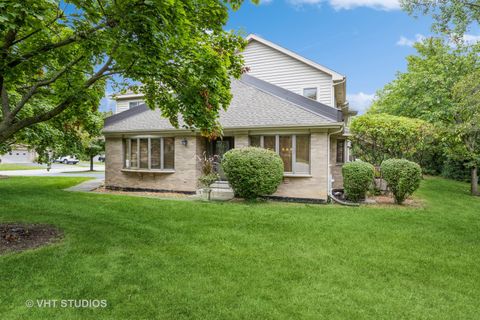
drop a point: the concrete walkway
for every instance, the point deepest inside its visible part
(60, 170)
(86, 186)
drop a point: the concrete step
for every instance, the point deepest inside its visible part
(220, 185)
(221, 194)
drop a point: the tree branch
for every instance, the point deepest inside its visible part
(52, 46)
(5, 103)
(60, 14)
(33, 89)
(9, 38)
(7, 130)
(473, 5)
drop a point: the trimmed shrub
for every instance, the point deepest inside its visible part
(357, 179)
(253, 172)
(403, 177)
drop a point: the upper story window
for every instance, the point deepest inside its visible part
(133, 104)
(156, 153)
(293, 149)
(310, 93)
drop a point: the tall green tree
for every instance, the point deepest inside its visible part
(55, 58)
(464, 137)
(451, 16)
(378, 137)
(425, 90)
(63, 135)
(435, 88)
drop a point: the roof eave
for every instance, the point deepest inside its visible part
(330, 125)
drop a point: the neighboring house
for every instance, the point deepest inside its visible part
(19, 154)
(287, 103)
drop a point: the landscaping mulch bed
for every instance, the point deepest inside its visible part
(20, 237)
(165, 195)
(388, 200)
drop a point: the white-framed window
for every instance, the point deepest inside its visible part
(149, 153)
(293, 149)
(133, 104)
(310, 93)
(340, 151)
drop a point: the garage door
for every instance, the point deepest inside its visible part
(18, 156)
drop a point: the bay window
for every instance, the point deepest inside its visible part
(156, 153)
(293, 149)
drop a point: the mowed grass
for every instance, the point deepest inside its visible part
(163, 259)
(18, 166)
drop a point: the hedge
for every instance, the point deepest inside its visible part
(357, 179)
(402, 176)
(253, 172)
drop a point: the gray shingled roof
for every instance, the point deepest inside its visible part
(255, 104)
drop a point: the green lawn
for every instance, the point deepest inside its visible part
(162, 259)
(16, 166)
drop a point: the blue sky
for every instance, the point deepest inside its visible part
(361, 39)
(366, 40)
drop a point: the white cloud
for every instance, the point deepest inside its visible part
(404, 41)
(409, 42)
(360, 101)
(471, 39)
(375, 4)
(352, 4)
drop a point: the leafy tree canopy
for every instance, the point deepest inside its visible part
(451, 16)
(425, 90)
(55, 58)
(441, 86)
(463, 135)
(378, 137)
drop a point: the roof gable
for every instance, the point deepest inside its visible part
(335, 75)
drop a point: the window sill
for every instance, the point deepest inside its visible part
(149, 171)
(297, 175)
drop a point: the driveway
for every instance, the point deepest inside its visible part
(60, 170)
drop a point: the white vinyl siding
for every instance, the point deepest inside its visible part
(284, 71)
(124, 104)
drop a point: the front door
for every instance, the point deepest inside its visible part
(218, 148)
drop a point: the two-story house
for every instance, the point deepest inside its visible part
(285, 102)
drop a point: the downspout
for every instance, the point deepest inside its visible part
(329, 181)
(340, 82)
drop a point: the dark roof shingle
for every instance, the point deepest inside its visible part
(255, 104)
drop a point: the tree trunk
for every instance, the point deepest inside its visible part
(91, 163)
(474, 187)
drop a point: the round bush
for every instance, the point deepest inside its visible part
(253, 172)
(357, 179)
(402, 176)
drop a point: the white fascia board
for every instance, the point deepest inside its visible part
(126, 96)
